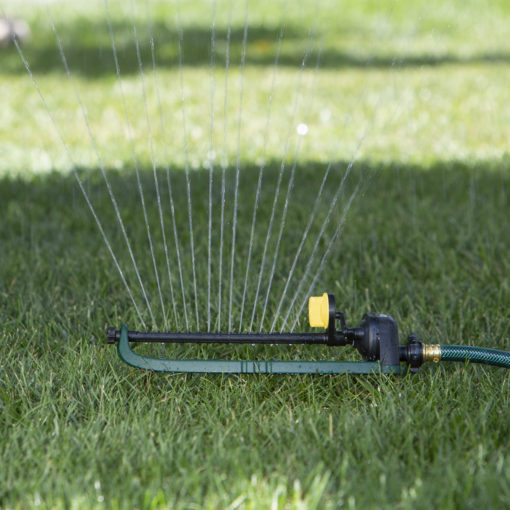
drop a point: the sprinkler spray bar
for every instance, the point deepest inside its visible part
(376, 339)
(222, 338)
(333, 337)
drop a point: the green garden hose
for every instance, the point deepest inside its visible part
(475, 355)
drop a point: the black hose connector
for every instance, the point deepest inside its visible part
(412, 353)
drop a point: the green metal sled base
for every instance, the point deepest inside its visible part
(247, 366)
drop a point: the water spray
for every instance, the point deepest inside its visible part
(376, 339)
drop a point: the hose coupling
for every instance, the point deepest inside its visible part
(431, 352)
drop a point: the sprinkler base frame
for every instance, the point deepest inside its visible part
(376, 339)
(221, 366)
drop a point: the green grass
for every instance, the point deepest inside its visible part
(73, 415)
(426, 240)
(430, 77)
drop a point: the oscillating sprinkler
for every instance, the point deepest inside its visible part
(376, 339)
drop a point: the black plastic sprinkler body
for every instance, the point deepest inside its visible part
(376, 339)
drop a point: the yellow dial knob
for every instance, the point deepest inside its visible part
(318, 311)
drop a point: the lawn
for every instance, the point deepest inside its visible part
(408, 102)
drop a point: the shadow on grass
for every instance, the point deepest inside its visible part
(89, 53)
(443, 226)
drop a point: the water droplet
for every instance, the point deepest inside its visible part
(325, 115)
(196, 132)
(302, 129)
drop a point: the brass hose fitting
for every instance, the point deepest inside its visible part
(431, 352)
